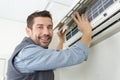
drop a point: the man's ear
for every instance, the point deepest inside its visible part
(28, 31)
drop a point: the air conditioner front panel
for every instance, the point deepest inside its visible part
(103, 25)
(107, 33)
(107, 23)
(105, 14)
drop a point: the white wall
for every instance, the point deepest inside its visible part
(103, 63)
(11, 33)
(2, 68)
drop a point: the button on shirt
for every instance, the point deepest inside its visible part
(36, 58)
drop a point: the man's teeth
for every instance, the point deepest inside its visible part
(44, 38)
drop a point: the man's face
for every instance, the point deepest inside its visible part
(42, 31)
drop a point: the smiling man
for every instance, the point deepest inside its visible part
(32, 60)
(41, 30)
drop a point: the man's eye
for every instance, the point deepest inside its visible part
(50, 27)
(40, 27)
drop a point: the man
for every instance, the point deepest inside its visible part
(32, 60)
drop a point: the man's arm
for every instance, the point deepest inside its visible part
(61, 39)
(84, 26)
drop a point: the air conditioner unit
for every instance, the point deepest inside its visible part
(104, 16)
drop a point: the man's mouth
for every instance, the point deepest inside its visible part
(44, 39)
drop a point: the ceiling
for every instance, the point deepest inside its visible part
(18, 10)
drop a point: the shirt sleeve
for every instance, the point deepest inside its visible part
(35, 58)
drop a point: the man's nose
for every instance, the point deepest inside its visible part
(46, 31)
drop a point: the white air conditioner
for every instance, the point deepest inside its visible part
(104, 17)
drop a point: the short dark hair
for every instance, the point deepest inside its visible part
(31, 17)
